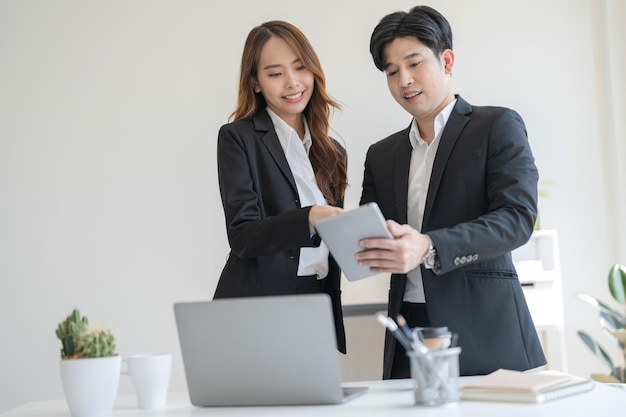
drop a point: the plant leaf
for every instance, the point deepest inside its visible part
(617, 282)
(596, 348)
(610, 321)
(620, 334)
(613, 334)
(618, 373)
(602, 307)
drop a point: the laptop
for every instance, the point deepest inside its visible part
(274, 350)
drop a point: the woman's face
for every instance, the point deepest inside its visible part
(284, 81)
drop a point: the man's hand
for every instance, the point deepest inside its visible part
(400, 255)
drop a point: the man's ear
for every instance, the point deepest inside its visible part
(447, 60)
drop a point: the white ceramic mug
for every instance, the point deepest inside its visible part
(151, 378)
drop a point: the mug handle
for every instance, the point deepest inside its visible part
(124, 367)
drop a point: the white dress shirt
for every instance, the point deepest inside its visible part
(422, 158)
(313, 261)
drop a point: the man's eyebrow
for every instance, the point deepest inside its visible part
(412, 55)
(409, 56)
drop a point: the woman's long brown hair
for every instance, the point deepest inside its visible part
(329, 163)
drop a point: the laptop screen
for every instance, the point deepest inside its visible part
(271, 350)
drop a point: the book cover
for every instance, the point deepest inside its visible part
(532, 387)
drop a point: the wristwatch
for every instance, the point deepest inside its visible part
(431, 260)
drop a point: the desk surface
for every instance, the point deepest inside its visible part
(384, 398)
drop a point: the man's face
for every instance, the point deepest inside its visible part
(417, 79)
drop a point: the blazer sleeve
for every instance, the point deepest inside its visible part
(262, 209)
(493, 176)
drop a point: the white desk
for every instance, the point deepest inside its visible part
(384, 398)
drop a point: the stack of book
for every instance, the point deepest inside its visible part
(532, 387)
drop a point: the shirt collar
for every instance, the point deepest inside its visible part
(285, 132)
(440, 122)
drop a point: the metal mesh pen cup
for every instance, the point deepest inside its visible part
(436, 376)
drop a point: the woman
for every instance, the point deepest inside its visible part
(280, 172)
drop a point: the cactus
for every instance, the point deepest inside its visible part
(68, 332)
(95, 343)
(79, 341)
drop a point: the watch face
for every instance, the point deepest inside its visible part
(429, 259)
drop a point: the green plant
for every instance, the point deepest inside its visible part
(68, 332)
(613, 323)
(96, 343)
(542, 192)
(79, 341)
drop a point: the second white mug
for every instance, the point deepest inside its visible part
(151, 378)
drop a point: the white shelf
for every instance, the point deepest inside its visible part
(539, 270)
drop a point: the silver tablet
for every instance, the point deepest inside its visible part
(342, 233)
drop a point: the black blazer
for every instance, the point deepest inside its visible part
(481, 204)
(265, 222)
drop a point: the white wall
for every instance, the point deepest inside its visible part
(109, 114)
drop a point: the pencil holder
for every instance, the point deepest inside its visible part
(436, 376)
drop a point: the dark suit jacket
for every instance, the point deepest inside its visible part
(481, 204)
(265, 222)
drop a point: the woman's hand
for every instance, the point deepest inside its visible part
(318, 213)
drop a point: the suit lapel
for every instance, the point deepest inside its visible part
(263, 125)
(402, 160)
(457, 121)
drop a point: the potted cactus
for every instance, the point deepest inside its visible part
(90, 368)
(613, 322)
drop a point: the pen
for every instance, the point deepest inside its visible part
(416, 346)
(403, 325)
(399, 334)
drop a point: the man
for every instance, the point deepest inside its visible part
(459, 187)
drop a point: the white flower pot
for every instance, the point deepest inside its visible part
(90, 385)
